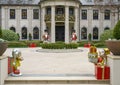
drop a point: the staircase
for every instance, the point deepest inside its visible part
(52, 80)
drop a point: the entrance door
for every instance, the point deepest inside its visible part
(60, 33)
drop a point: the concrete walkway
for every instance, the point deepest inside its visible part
(54, 64)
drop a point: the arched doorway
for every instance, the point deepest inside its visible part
(84, 33)
(13, 29)
(24, 33)
(95, 33)
(36, 33)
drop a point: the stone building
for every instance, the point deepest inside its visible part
(58, 17)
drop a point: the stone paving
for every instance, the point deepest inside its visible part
(54, 63)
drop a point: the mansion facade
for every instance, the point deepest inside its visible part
(59, 18)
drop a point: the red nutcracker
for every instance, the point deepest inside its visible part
(74, 36)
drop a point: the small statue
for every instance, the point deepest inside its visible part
(45, 37)
(16, 53)
(74, 37)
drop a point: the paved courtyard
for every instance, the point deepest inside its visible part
(50, 63)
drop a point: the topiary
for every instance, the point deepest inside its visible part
(9, 35)
(116, 31)
(0, 32)
(106, 35)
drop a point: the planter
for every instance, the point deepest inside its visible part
(113, 46)
(3, 47)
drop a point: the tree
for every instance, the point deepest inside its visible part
(116, 31)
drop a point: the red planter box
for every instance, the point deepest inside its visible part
(102, 73)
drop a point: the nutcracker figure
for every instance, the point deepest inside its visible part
(16, 53)
(74, 36)
(45, 37)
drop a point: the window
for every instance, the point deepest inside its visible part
(71, 11)
(24, 13)
(59, 10)
(35, 13)
(95, 33)
(84, 33)
(13, 29)
(12, 13)
(95, 14)
(107, 28)
(107, 15)
(36, 33)
(48, 10)
(84, 14)
(24, 33)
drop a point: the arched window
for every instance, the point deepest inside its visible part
(107, 28)
(24, 33)
(95, 33)
(84, 33)
(13, 29)
(36, 33)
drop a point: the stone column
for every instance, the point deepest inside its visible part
(67, 24)
(3, 69)
(43, 24)
(76, 24)
(114, 63)
(30, 29)
(53, 24)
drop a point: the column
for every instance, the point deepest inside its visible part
(43, 24)
(30, 30)
(76, 23)
(53, 24)
(67, 24)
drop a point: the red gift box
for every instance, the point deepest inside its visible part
(102, 72)
(32, 45)
(10, 66)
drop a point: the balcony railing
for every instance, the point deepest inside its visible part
(47, 17)
(59, 17)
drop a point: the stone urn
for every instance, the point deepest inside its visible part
(113, 46)
(3, 47)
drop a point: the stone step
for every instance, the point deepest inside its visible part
(55, 81)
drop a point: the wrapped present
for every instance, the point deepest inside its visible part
(107, 51)
(10, 66)
(93, 49)
(102, 72)
(93, 57)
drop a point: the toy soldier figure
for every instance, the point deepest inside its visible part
(45, 37)
(74, 36)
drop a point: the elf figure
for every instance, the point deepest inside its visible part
(74, 37)
(45, 37)
(16, 53)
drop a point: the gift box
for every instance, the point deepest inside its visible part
(32, 45)
(10, 66)
(102, 72)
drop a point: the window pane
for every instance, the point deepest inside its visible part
(24, 33)
(35, 13)
(95, 33)
(48, 10)
(107, 15)
(71, 11)
(24, 13)
(83, 33)
(95, 14)
(84, 14)
(35, 33)
(12, 13)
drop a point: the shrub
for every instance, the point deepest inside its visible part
(16, 44)
(106, 35)
(9, 35)
(116, 31)
(71, 46)
(89, 37)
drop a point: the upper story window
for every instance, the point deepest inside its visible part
(107, 15)
(71, 11)
(48, 10)
(95, 14)
(84, 14)
(12, 13)
(59, 10)
(35, 13)
(24, 13)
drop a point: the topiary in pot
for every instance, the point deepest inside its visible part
(114, 45)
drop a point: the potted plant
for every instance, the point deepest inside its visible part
(3, 44)
(114, 44)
